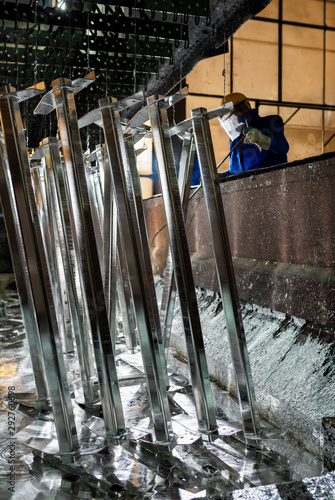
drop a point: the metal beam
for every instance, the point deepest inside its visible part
(86, 251)
(225, 272)
(182, 265)
(135, 246)
(22, 198)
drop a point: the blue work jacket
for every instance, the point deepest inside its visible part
(249, 156)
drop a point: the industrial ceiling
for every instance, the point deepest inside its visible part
(132, 45)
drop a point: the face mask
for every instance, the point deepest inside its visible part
(232, 126)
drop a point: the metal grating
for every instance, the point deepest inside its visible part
(126, 43)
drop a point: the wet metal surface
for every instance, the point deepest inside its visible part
(134, 468)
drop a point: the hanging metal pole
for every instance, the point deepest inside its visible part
(96, 210)
(21, 193)
(225, 272)
(86, 247)
(51, 249)
(182, 265)
(22, 279)
(139, 272)
(58, 205)
(169, 289)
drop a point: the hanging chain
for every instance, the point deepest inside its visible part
(36, 46)
(224, 72)
(135, 51)
(88, 42)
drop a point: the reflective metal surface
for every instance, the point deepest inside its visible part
(22, 199)
(182, 267)
(23, 282)
(87, 255)
(47, 103)
(225, 272)
(52, 250)
(134, 244)
(132, 469)
(78, 308)
(80, 251)
(213, 113)
(184, 183)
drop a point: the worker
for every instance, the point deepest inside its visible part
(256, 142)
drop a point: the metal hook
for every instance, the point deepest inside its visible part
(208, 20)
(196, 19)
(186, 43)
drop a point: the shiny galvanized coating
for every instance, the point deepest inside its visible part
(184, 184)
(60, 211)
(133, 251)
(96, 210)
(52, 252)
(134, 190)
(22, 278)
(16, 159)
(88, 259)
(182, 268)
(112, 252)
(225, 272)
(124, 294)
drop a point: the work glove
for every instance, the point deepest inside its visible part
(254, 136)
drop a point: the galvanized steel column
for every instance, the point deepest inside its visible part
(182, 266)
(169, 289)
(20, 193)
(78, 307)
(135, 245)
(86, 250)
(38, 174)
(225, 272)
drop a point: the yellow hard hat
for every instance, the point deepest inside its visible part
(236, 98)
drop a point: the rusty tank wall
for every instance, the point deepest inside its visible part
(282, 235)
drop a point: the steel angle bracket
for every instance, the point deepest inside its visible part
(94, 116)
(47, 103)
(40, 152)
(163, 102)
(213, 113)
(23, 95)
